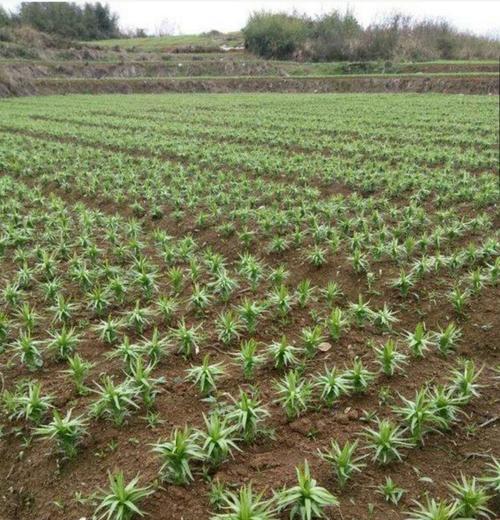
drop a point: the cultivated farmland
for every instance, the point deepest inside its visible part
(229, 295)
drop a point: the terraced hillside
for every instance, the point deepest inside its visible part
(208, 291)
(217, 63)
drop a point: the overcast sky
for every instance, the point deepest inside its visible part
(194, 16)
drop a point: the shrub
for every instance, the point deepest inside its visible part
(336, 37)
(339, 36)
(275, 35)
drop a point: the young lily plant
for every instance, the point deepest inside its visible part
(294, 394)
(245, 505)
(390, 358)
(177, 454)
(386, 441)
(247, 413)
(66, 431)
(343, 460)
(283, 354)
(333, 384)
(306, 500)
(206, 375)
(121, 501)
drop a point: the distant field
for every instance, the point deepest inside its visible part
(184, 40)
(222, 287)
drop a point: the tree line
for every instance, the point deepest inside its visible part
(340, 37)
(91, 21)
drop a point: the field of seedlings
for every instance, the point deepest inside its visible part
(249, 307)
